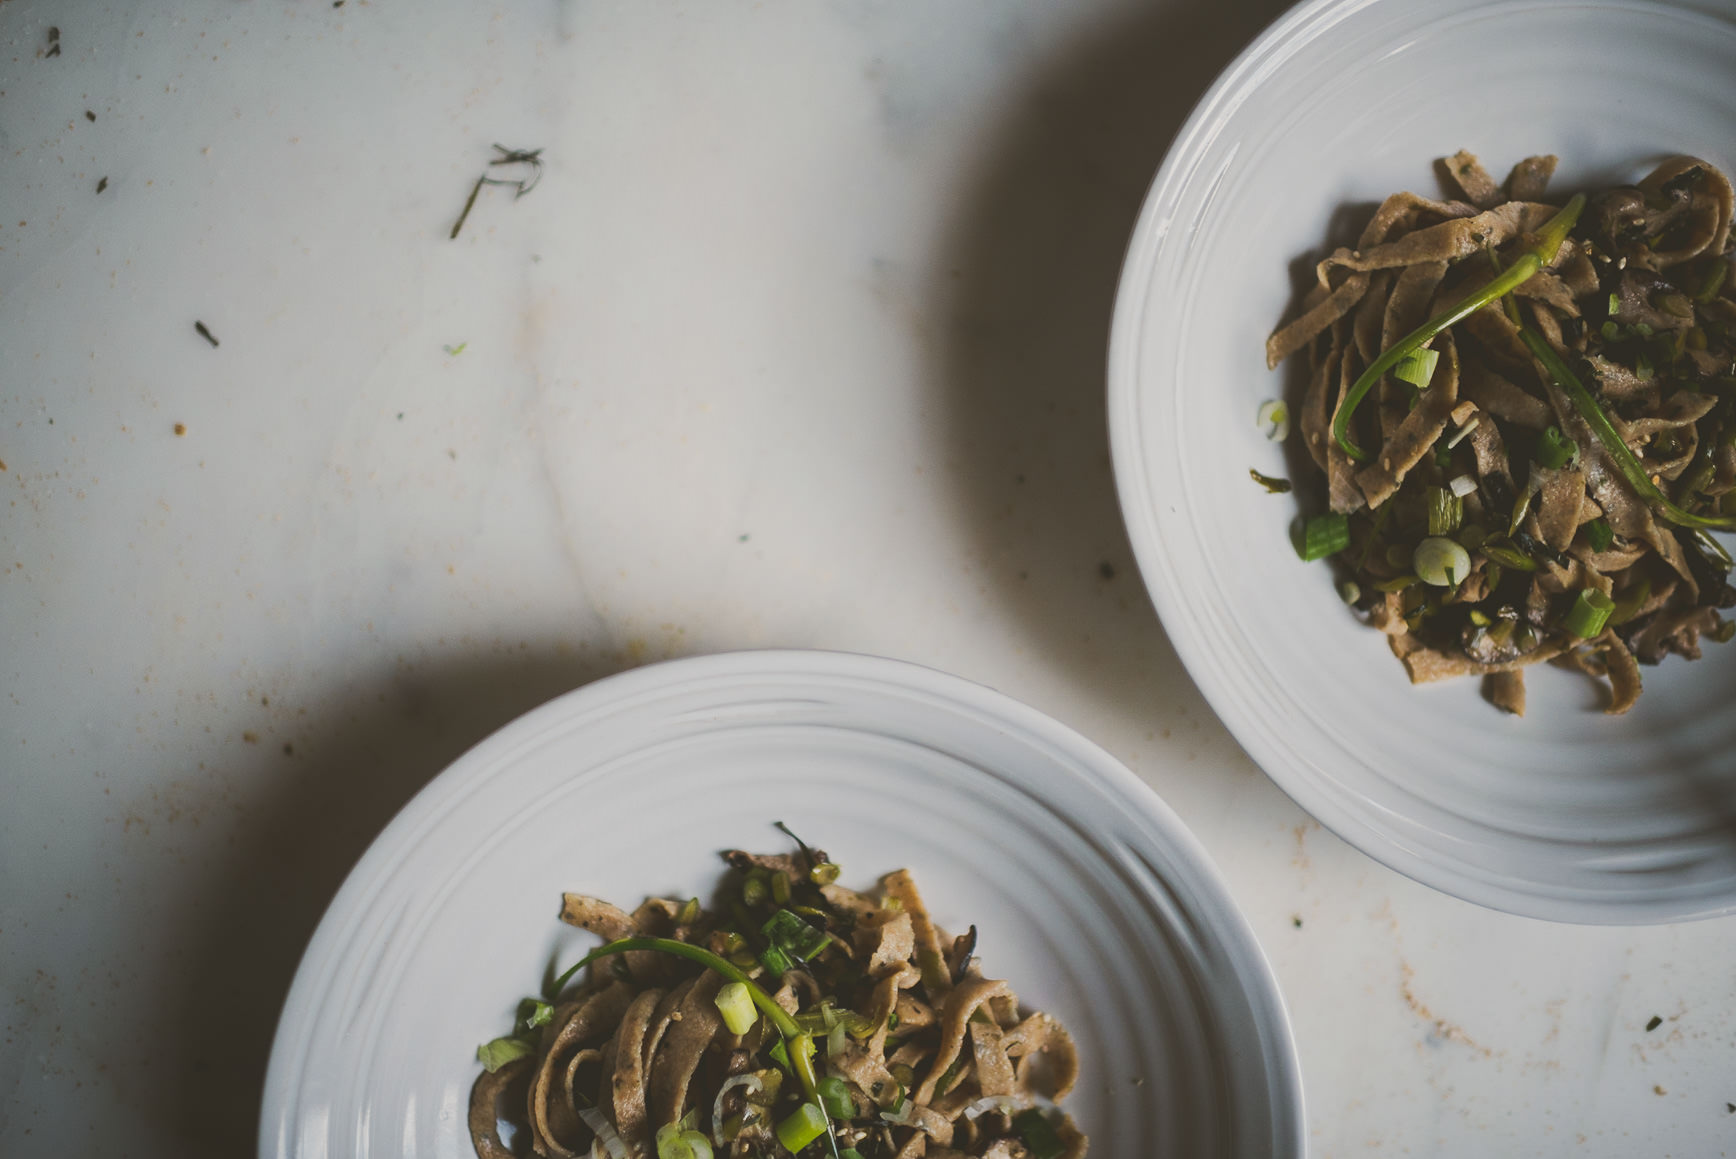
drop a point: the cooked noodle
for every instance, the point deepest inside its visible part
(915, 1053)
(1542, 486)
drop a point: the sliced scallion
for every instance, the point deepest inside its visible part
(1589, 613)
(1507, 555)
(1325, 535)
(1446, 511)
(835, 1097)
(801, 1127)
(1554, 449)
(1440, 562)
(1713, 282)
(1521, 508)
(496, 1054)
(1419, 368)
(534, 1013)
(1599, 534)
(677, 1142)
(795, 937)
(1462, 485)
(1273, 418)
(736, 1006)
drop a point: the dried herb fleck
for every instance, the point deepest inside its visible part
(53, 42)
(1654, 1024)
(521, 186)
(89, 116)
(1275, 486)
(102, 185)
(205, 333)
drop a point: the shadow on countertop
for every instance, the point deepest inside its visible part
(1033, 258)
(293, 847)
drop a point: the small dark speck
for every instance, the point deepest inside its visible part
(102, 185)
(89, 116)
(250, 737)
(1024, 575)
(1020, 479)
(400, 416)
(288, 749)
(265, 701)
(1659, 1091)
(180, 428)
(1106, 570)
(1296, 921)
(451, 454)
(50, 422)
(1730, 1107)
(337, 3)
(205, 333)
(1654, 1024)
(742, 538)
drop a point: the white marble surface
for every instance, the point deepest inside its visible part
(800, 342)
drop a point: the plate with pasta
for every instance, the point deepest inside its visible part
(784, 903)
(1423, 408)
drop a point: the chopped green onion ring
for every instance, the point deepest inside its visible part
(1325, 535)
(1440, 562)
(674, 1141)
(835, 1097)
(801, 1127)
(1419, 368)
(736, 1005)
(1589, 613)
(1273, 418)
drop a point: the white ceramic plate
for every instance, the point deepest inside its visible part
(1089, 895)
(1566, 814)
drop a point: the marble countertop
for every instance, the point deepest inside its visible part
(799, 342)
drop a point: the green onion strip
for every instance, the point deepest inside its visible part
(1626, 462)
(800, 1045)
(1549, 240)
